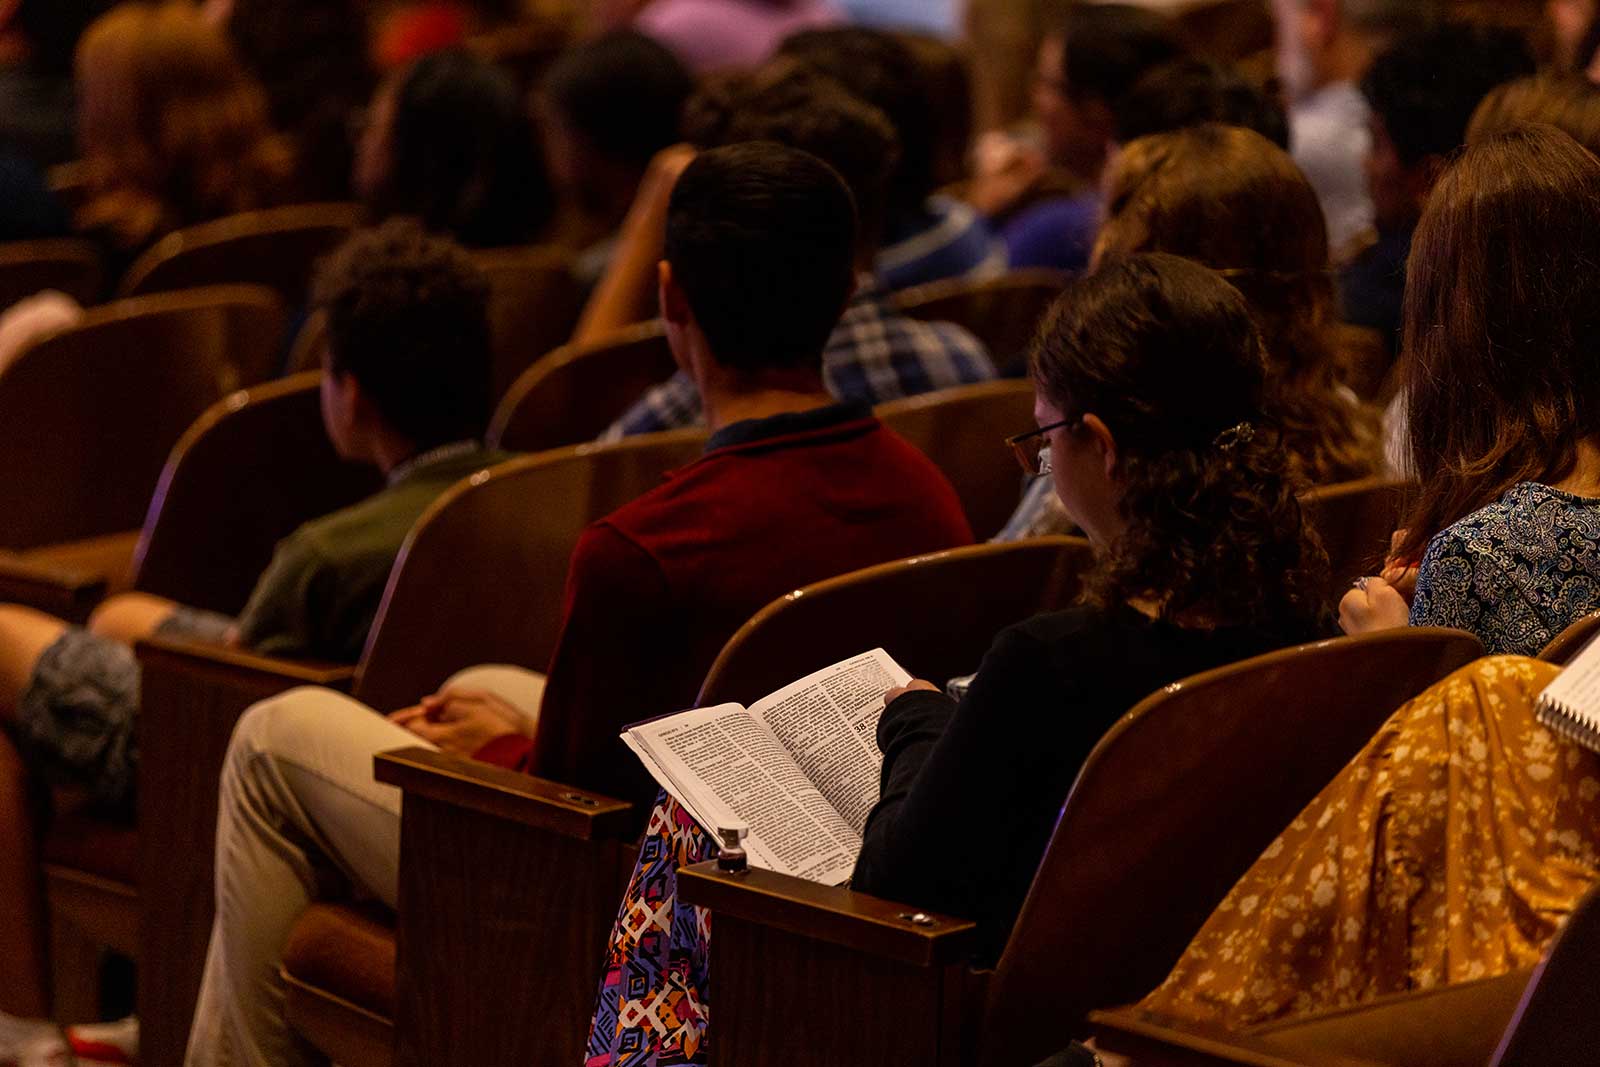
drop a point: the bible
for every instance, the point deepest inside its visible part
(1570, 705)
(798, 767)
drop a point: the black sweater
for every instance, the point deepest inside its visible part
(971, 792)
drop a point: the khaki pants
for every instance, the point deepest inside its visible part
(300, 819)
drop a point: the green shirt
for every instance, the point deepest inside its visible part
(318, 597)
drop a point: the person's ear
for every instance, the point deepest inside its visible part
(671, 297)
(1102, 439)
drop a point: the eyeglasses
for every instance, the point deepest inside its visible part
(1034, 459)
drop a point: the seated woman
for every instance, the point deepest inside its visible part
(1229, 198)
(449, 143)
(1452, 848)
(172, 130)
(1502, 400)
(1149, 378)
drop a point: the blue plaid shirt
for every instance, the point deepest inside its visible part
(875, 354)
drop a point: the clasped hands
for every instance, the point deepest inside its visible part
(461, 721)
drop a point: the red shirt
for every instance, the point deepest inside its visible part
(656, 588)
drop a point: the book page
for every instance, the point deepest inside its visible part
(720, 760)
(828, 722)
(1577, 688)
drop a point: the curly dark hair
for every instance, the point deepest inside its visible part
(408, 319)
(1166, 354)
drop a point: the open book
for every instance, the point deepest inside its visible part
(1570, 705)
(799, 767)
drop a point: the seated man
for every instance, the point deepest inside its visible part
(875, 353)
(793, 488)
(406, 389)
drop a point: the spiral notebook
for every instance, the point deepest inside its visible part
(1570, 705)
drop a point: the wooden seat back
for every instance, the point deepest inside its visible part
(964, 430)
(1173, 806)
(1558, 1020)
(1355, 521)
(1569, 642)
(920, 610)
(253, 467)
(277, 248)
(574, 393)
(534, 301)
(89, 415)
(67, 265)
(1002, 312)
(481, 577)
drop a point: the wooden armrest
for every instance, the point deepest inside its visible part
(67, 592)
(1440, 1027)
(211, 661)
(830, 914)
(191, 697)
(1154, 1040)
(504, 794)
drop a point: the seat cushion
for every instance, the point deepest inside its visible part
(348, 951)
(109, 850)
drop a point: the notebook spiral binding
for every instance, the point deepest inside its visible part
(1567, 721)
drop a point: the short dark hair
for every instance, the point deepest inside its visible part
(882, 70)
(800, 107)
(1109, 47)
(623, 93)
(465, 159)
(1426, 85)
(407, 316)
(1195, 92)
(761, 239)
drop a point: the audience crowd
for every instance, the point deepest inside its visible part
(1295, 252)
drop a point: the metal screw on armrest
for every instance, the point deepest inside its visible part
(579, 798)
(731, 857)
(917, 918)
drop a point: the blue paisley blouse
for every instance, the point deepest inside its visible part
(1516, 573)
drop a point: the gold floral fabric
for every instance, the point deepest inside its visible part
(1452, 848)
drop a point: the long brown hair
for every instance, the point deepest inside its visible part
(1229, 198)
(1167, 355)
(171, 128)
(1569, 102)
(1502, 320)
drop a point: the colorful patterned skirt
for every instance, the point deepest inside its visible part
(651, 1010)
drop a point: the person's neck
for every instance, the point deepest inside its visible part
(389, 451)
(724, 407)
(1585, 477)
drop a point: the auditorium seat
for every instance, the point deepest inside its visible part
(1245, 747)
(1569, 642)
(964, 430)
(66, 265)
(277, 248)
(1549, 1015)
(468, 862)
(521, 518)
(1003, 312)
(576, 392)
(89, 415)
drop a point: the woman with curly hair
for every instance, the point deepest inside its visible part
(171, 129)
(1149, 377)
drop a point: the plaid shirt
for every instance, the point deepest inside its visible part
(875, 354)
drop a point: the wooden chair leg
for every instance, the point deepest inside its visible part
(75, 961)
(24, 975)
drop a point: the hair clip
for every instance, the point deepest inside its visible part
(1234, 436)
